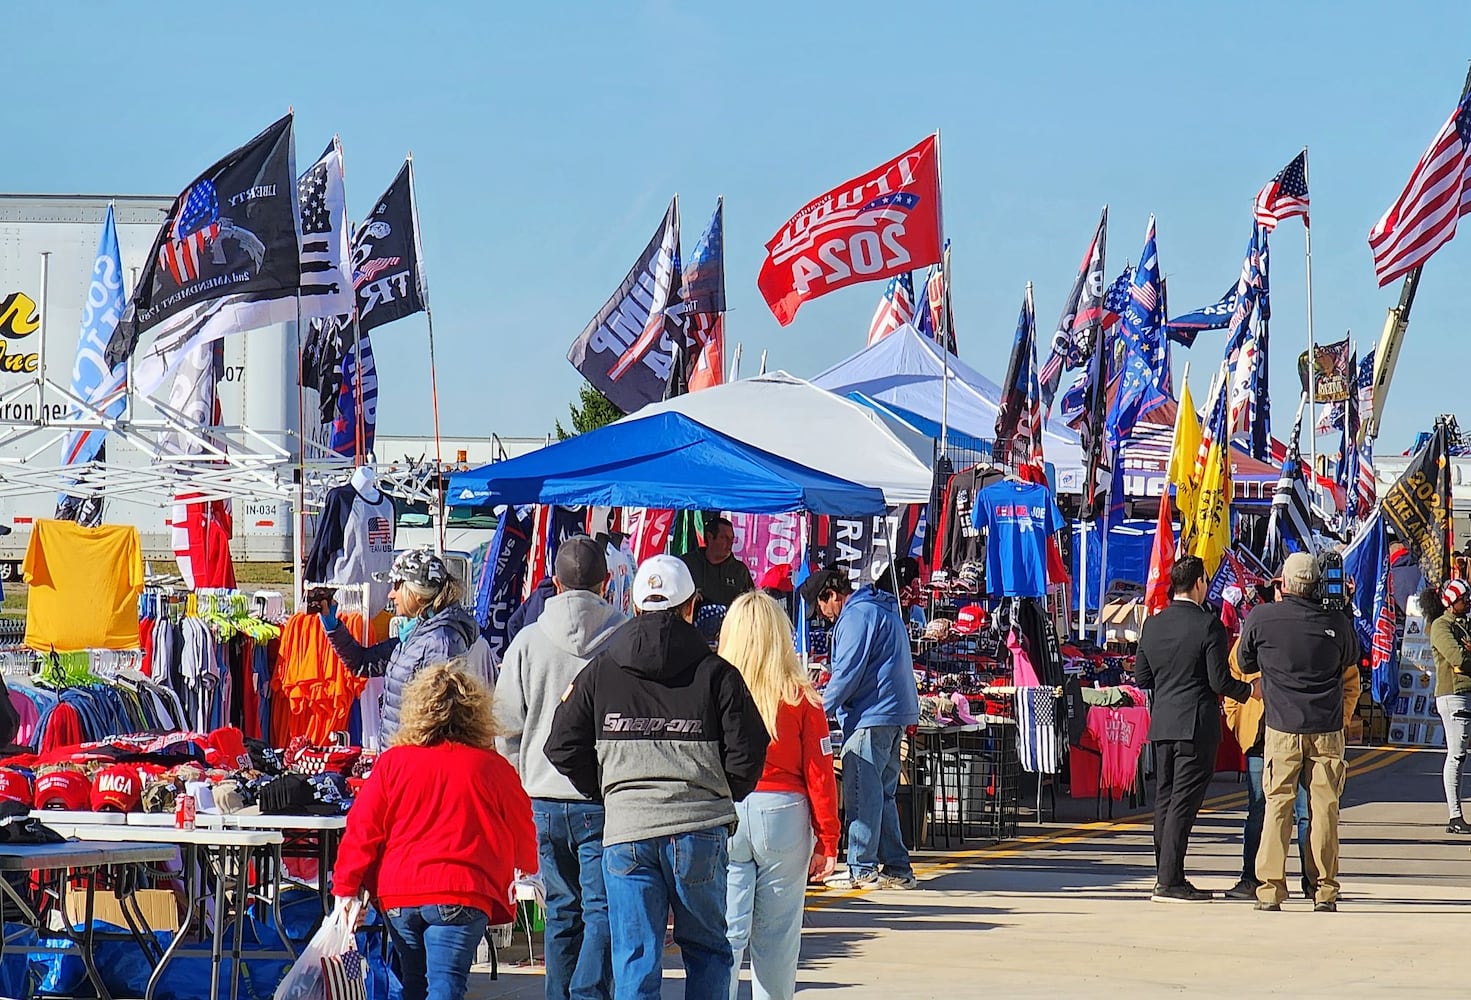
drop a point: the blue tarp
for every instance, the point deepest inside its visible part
(1129, 546)
(663, 461)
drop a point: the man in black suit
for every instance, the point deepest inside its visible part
(1183, 657)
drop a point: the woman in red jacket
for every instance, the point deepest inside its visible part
(788, 828)
(437, 833)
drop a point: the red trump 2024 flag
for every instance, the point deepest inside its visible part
(875, 226)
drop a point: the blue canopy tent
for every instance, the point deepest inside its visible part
(666, 461)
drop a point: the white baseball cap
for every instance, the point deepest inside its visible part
(662, 582)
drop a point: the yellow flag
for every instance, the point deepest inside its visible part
(1211, 536)
(1182, 460)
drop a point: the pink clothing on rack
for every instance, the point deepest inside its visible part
(1118, 736)
(29, 716)
(1023, 674)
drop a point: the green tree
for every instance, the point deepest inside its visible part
(591, 411)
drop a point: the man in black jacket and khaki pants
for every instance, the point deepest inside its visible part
(1183, 657)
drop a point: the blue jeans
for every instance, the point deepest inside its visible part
(1256, 811)
(645, 879)
(870, 784)
(1455, 714)
(435, 946)
(569, 843)
(769, 855)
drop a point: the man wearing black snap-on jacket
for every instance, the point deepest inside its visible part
(665, 734)
(1183, 658)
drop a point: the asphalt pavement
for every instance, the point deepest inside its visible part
(1064, 911)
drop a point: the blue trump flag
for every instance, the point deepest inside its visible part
(1366, 563)
(1145, 376)
(1184, 329)
(103, 386)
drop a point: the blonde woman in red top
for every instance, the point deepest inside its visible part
(437, 832)
(788, 829)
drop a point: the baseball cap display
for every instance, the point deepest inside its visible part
(778, 578)
(65, 789)
(15, 786)
(971, 619)
(419, 567)
(116, 789)
(662, 582)
(581, 564)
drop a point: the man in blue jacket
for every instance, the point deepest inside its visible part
(873, 694)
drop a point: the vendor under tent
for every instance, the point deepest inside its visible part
(665, 460)
(905, 372)
(802, 423)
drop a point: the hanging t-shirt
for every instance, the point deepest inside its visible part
(1018, 518)
(354, 540)
(84, 584)
(621, 571)
(960, 536)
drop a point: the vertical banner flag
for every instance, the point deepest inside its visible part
(1081, 325)
(1211, 534)
(326, 258)
(1183, 449)
(327, 341)
(1290, 526)
(102, 385)
(1348, 459)
(1366, 563)
(874, 226)
(1246, 348)
(1334, 374)
(387, 258)
(226, 259)
(1423, 218)
(1016, 439)
(353, 432)
(1285, 195)
(896, 307)
(628, 349)
(704, 305)
(1418, 508)
(503, 577)
(1145, 366)
(1161, 561)
(765, 541)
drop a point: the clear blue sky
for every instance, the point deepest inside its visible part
(548, 137)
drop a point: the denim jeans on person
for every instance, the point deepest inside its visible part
(769, 855)
(1256, 811)
(870, 784)
(1455, 713)
(569, 843)
(645, 879)
(434, 947)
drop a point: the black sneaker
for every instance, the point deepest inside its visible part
(1268, 907)
(1185, 893)
(1325, 907)
(1245, 889)
(1458, 825)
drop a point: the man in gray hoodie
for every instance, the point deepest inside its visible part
(539, 667)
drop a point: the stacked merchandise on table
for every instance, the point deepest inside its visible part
(1413, 719)
(222, 771)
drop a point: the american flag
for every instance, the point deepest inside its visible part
(1039, 739)
(895, 308)
(1423, 218)
(344, 978)
(326, 258)
(1143, 381)
(1365, 490)
(1289, 529)
(1285, 195)
(194, 229)
(380, 532)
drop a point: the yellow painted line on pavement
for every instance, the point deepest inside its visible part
(1373, 760)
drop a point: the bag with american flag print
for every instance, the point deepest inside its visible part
(330, 967)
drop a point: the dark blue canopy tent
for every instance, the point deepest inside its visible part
(666, 461)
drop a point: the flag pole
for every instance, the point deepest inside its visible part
(1307, 237)
(943, 336)
(433, 371)
(298, 541)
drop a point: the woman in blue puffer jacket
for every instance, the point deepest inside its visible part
(439, 628)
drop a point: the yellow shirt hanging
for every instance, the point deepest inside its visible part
(84, 585)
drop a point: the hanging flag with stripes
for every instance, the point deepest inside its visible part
(1081, 325)
(896, 308)
(1039, 736)
(1423, 218)
(1285, 195)
(1289, 529)
(1144, 375)
(1019, 416)
(326, 258)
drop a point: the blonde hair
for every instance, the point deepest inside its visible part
(432, 602)
(446, 704)
(757, 639)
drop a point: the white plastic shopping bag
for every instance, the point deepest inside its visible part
(330, 967)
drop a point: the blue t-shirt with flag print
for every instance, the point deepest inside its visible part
(1018, 518)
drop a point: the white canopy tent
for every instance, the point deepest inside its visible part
(794, 419)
